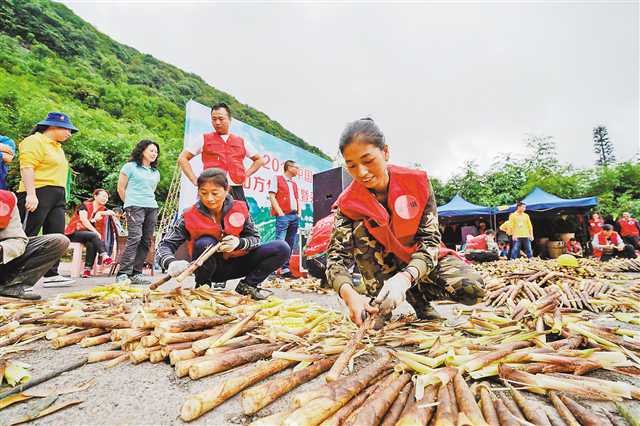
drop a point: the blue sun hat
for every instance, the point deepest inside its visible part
(58, 119)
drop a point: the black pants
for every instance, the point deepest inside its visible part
(627, 253)
(481, 256)
(237, 192)
(255, 266)
(634, 241)
(92, 242)
(40, 254)
(48, 216)
(141, 222)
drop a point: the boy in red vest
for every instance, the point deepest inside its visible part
(285, 206)
(573, 247)
(608, 244)
(217, 217)
(222, 150)
(24, 260)
(630, 230)
(482, 248)
(386, 224)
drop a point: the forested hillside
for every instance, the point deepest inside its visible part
(50, 59)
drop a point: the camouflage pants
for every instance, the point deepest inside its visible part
(451, 279)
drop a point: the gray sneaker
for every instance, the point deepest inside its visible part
(139, 279)
(122, 278)
(19, 292)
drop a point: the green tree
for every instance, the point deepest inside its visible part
(603, 147)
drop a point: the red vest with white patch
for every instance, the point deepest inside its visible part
(228, 156)
(283, 198)
(407, 198)
(199, 224)
(75, 224)
(602, 240)
(7, 204)
(595, 226)
(476, 243)
(629, 228)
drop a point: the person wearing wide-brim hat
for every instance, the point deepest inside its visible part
(44, 170)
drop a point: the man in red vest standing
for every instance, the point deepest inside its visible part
(285, 206)
(630, 230)
(222, 150)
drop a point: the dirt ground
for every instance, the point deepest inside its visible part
(151, 394)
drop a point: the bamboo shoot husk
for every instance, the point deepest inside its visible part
(191, 324)
(90, 323)
(197, 405)
(466, 401)
(452, 398)
(272, 420)
(94, 341)
(73, 338)
(512, 407)
(584, 416)
(505, 416)
(148, 341)
(181, 355)
(445, 411)
(166, 350)
(331, 397)
(349, 350)
(532, 412)
(416, 415)
(235, 343)
(156, 357)
(487, 407)
(343, 413)
(231, 359)
(254, 399)
(142, 354)
(99, 356)
(182, 367)
(186, 336)
(383, 384)
(563, 411)
(393, 414)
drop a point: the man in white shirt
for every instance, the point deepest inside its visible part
(223, 150)
(285, 206)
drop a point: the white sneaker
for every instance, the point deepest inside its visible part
(57, 281)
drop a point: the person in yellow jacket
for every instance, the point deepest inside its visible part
(521, 231)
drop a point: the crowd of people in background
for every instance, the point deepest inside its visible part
(221, 218)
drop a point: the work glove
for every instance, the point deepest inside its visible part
(177, 267)
(229, 243)
(393, 292)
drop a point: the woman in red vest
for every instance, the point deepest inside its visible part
(87, 226)
(217, 217)
(387, 224)
(595, 224)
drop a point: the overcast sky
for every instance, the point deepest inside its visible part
(447, 82)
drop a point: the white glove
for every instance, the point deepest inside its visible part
(393, 292)
(177, 267)
(229, 243)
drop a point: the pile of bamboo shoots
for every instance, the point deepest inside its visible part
(537, 270)
(300, 285)
(622, 265)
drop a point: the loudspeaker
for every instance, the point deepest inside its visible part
(327, 186)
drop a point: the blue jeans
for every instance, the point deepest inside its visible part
(525, 243)
(286, 229)
(254, 266)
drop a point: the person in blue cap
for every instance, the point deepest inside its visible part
(41, 194)
(7, 153)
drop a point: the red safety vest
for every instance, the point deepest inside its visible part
(199, 224)
(282, 196)
(407, 197)
(572, 248)
(602, 240)
(7, 204)
(228, 156)
(629, 228)
(76, 225)
(476, 243)
(595, 226)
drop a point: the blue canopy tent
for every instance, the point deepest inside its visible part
(541, 201)
(458, 207)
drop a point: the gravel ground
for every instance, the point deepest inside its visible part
(151, 394)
